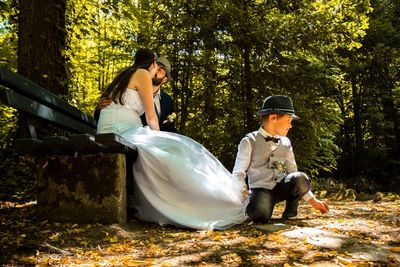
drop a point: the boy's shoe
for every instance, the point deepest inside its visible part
(290, 210)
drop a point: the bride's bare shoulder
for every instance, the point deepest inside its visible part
(141, 73)
(139, 77)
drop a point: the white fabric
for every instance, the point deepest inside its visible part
(178, 181)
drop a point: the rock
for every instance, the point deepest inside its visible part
(371, 252)
(320, 238)
(350, 194)
(364, 197)
(392, 197)
(378, 197)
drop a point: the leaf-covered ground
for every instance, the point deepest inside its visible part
(374, 225)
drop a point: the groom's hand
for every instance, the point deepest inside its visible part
(103, 103)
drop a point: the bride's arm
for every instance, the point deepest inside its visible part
(142, 81)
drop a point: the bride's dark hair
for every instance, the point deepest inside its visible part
(115, 90)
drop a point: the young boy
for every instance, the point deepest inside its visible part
(266, 157)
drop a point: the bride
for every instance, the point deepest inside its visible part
(177, 181)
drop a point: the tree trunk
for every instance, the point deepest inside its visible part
(41, 44)
(357, 109)
(143, 38)
(184, 94)
(210, 88)
(249, 116)
(393, 134)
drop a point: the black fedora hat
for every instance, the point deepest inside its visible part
(277, 104)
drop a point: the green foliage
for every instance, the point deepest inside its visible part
(234, 54)
(8, 36)
(369, 101)
(337, 59)
(8, 58)
(101, 43)
(7, 126)
(228, 56)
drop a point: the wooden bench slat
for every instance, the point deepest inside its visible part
(28, 145)
(33, 107)
(86, 143)
(57, 145)
(115, 142)
(62, 145)
(29, 89)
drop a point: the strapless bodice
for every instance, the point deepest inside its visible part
(131, 100)
(118, 118)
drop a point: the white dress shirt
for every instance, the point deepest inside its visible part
(157, 103)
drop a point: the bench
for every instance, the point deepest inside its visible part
(81, 175)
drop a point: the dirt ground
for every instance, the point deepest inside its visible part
(373, 227)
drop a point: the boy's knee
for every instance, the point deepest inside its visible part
(302, 183)
(260, 208)
(258, 214)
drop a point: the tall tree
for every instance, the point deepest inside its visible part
(244, 51)
(41, 43)
(102, 39)
(8, 59)
(370, 139)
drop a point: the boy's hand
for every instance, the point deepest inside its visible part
(245, 192)
(104, 102)
(322, 206)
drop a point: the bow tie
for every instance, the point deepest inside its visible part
(273, 139)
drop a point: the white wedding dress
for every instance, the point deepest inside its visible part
(178, 181)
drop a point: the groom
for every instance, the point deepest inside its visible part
(163, 102)
(164, 108)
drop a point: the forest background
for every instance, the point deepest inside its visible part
(339, 60)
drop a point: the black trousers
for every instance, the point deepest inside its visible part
(262, 201)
